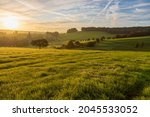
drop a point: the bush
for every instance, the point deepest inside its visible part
(137, 45)
(88, 39)
(103, 38)
(70, 44)
(142, 44)
(108, 37)
(91, 43)
(77, 43)
(97, 40)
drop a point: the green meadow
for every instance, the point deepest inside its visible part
(80, 36)
(84, 35)
(114, 69)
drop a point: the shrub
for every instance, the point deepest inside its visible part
(102, 38)
(91, 43)
(70, 44)
(88, 39)
(142, 44)
(137, 45)
(108, 37)
(77, 43)
(97, 40)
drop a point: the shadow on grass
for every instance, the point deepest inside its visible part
(123, 88)
(129, 88)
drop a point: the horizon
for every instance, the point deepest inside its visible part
(43, 15)
(79, 29)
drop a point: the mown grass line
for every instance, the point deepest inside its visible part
(74, 74)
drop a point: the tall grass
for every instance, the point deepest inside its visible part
(73, 74)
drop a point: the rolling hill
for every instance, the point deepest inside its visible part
(91, 73)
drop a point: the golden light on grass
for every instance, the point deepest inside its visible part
(11, 22)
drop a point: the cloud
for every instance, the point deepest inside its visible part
(138, 10)
(51, 14)
(137, 6)
(40, 8)
(103, 10)
(112, 13)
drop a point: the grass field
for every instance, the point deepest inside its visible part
(84, 35)
(77, 74)
(127, 44)
(64, 38)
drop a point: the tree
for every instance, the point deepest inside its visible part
(40, 43)
(97, 40)
(52, 35)
(70, 44)
(55, 35)
(142, 44)
(72, 30)
(29, 38)
(102, 38)
(137, 45)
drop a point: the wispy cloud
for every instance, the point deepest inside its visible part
(112, 13)
(137, 5)
(40, 8)
(63, 14)
(103, 10)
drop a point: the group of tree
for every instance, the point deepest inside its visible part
(122, 31)
(52, 36)
(77, 44)
(72, 30)
(25, 39)
(95, 39)
(139, 45)
(90, 42)
(134, 34)
(13, 40)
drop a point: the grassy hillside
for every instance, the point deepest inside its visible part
(84, 35)
(21, 39)
(64, 38)
(126, 44)
(75, 74)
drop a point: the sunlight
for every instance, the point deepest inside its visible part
(11, 22)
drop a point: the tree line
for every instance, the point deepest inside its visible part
(122, 31)
(25, 39)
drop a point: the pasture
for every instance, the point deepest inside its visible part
(114, 69)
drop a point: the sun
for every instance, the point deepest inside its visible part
(11, 22)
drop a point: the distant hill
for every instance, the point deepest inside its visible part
(126, 44)
(117, 30)
(124, 31)
(81, 35)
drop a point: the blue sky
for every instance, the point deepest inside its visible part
(59, 15)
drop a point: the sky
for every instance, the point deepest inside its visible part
(59, 15)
